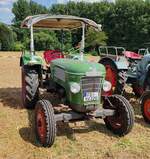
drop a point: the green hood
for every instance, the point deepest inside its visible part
(79, 67)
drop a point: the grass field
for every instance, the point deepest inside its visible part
(81, 140)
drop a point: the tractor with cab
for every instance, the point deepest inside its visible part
(77, 83)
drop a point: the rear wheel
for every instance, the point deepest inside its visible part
(30, 87)
(145, 106)
(122, 121)
(114, 76)
(45, 123)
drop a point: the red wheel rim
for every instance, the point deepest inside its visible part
(147, 109)
(115, 121)
(41, 125)
(111, 77)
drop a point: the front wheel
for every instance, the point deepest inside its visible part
(122, 121)
(145, 106)
(45, 123)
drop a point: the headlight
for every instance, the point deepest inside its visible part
(74, 87)
(107, 86)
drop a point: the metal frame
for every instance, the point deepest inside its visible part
(83, 42)
(111, 47)
(146, 51)
(32, 41)
(72, 115)
(36, 20)
(76, 22)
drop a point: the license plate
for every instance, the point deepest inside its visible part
(91, 96)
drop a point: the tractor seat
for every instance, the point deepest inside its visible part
(50, 55)
(132, 55)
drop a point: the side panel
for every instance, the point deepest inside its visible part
(60, 76)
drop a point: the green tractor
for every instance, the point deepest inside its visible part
(78, 84)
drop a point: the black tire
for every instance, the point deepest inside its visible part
(145, 106)
(30, 87)
(121, 123)
(120, 76)
(45, 123)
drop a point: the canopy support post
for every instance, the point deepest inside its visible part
(82, 42)
(62, 40)
(32, 41)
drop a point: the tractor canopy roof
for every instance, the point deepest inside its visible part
(58, 22)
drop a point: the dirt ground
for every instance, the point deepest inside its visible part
(80, 140)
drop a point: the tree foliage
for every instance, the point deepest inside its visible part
(21, 9)
(7, 37)
(46, 40)
(94, 38)
(128, 23)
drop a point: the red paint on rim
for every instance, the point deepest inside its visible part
(41, 125)
(115, 121)
(147, 109)
(111, 77)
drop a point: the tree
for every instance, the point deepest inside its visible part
(21, 9)
(94, 38)
(7, 37)
(37, 8)
(127, 23)
(45, 40)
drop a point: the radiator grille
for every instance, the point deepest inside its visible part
(91, 84)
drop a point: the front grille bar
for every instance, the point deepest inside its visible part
(91, 84)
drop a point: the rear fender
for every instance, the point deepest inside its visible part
(35, 62)
(30, 60)
(120, 64)
(102, 60)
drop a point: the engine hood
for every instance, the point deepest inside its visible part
(80, 67)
